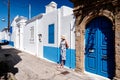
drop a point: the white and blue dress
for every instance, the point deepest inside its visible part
(63, 49)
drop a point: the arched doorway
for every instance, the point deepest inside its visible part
(99, 47)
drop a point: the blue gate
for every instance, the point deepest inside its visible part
(99, 47)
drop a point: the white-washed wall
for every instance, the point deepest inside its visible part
(6, 35)
(1, 36)
(22, 25)
(64, 25)
(67, 29)
(65, 11)
(16, 41)
(50, 18)
(67, 25)
(30, 38)
(16, 34)
(40, 30)
(14, 30)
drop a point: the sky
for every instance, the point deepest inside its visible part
(21, 8)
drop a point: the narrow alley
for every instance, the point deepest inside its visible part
(28, 67)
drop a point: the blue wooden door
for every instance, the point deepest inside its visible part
(99, 47)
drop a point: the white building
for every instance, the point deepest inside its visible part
(41, 35)
(17, 31)
(1, 36)
(4, 35)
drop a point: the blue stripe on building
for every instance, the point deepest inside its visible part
(11, 43)
(53, 54)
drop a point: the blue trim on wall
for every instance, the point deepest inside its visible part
(50, 53)
(4, 41)
(53, 54)
(11, 43)
(10, 29)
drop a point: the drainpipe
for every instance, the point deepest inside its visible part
(70, 44)
(58, 36)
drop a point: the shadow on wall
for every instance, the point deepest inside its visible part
(8, 59)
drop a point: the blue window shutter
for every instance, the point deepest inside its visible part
(51, 33)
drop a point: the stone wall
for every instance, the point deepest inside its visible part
(79, 38)
(114, 16)
(117, 45)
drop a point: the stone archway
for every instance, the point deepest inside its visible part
(80, 38)
(99, 47)
(99, 7)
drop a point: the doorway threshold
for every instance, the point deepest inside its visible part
(95, 76)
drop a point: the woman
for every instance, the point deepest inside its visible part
(63, 47)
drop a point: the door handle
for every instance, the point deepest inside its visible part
(91, 50)
(104, 57)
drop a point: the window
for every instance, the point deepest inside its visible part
(51, 33)
(32, 34)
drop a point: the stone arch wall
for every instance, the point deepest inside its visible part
(113, 14)
(80, 40)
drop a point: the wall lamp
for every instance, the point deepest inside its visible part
(40, 37)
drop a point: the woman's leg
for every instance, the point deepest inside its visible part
(62, 63)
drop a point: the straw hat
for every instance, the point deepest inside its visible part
(62, 36)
